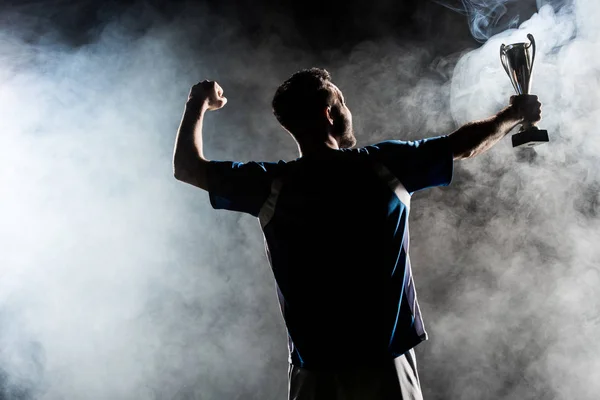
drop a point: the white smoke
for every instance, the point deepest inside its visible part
(525, 266)
(486, 17)
(112, 283)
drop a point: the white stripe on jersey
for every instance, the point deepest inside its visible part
(394, 184)
(268, 209)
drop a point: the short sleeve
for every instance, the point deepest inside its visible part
(417, 164)
(237, 186)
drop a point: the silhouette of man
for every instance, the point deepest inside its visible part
(335, 222)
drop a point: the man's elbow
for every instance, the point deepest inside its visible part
(179, 170)
(463, 155)
(179, 173)
(461, 147)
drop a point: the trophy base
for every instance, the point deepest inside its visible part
(530, 137)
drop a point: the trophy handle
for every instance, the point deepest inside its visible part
(503, 58)
(532, 40)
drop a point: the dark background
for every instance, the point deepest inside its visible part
(312, 25)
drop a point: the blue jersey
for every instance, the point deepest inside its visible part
(336, 233)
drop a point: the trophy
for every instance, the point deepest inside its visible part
(517, 60)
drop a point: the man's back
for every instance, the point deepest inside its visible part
(336, 229)
(333, 243)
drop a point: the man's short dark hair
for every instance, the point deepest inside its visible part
(299, 100)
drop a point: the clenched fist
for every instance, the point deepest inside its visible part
(527, 107)
(208, 93)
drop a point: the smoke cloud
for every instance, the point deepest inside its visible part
(118, 282)
(486, 17)
(533, 301)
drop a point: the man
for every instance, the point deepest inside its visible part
(335, 222)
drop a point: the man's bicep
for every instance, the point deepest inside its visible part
(194, 174)
(238, 186)
(418, 164)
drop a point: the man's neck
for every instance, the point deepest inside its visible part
(318, 147)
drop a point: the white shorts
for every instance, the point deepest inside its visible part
(397, 381)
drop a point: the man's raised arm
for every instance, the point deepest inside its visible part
(189, 164)
(477, 137)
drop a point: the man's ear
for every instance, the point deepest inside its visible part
(328, 115)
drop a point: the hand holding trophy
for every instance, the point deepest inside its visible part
(517, 60)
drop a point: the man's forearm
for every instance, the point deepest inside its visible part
(477, 137)
(189, 164)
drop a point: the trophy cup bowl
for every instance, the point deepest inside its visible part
(517, 60)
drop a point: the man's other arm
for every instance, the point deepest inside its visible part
(477, 137)
(189, 164)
